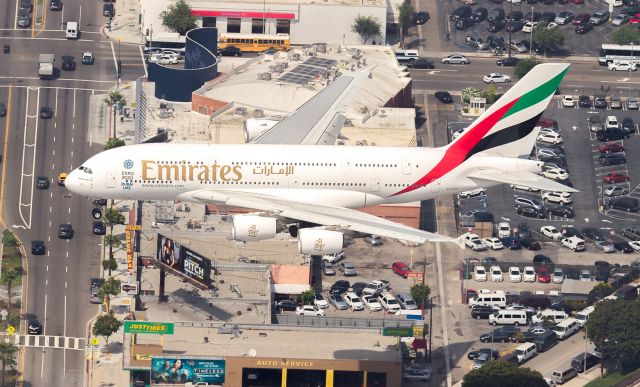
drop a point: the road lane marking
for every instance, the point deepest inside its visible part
(33, 148)
(146, 74)
(60, 79)
(4, 152)
(74, 103)
(115, 60)
(44, 321)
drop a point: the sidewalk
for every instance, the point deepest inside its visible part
(125, 26)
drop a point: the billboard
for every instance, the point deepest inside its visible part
(184, 261)
(148, 327)
(166, 370)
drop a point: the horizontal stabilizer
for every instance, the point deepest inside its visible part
(526, 179)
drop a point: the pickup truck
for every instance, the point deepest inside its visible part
(376, 287)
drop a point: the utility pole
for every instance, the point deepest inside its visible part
(603, 332)
(510, 29)
(531, 35)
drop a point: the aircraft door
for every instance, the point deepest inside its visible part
(111, 180)
(293, 182)
(375, 185)
(434, 186)
(406, 166)
(346, 166)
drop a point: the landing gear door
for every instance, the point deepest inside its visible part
(406, 166)
(111, 180)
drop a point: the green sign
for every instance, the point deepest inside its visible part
(399, 332)
(156, 328)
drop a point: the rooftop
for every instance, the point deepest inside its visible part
(270, 4)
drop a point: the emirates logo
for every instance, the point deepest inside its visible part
(253, 231)
(318, 245)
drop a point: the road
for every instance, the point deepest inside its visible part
(57, 282)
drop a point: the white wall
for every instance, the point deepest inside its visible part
(331, 24)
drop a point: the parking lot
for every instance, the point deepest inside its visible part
(574, 44)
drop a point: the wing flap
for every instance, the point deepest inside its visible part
(344, 218)
(527, 179)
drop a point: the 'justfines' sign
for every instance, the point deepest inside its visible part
(156, 328)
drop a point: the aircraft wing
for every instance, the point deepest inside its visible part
(319, 120)
(340, 217)
(527, 179)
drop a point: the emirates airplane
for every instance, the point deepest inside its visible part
(285, 176)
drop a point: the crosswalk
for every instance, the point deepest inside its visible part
(40, 341)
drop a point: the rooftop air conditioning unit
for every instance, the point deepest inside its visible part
(258, 113)
(264, 76)
(295, 56)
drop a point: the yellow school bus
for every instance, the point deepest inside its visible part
(254, 42)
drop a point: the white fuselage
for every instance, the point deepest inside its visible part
(348, 176)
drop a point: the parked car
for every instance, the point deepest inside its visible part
(338, 302)
(493, 243)
(615, 177)
(347, 269)
(287, 305)
(309, 310)
(319, 301)
(496, 78)
(605, 246)
(374, 240)
(401, 268)
(339, 287)
(372, 303)
(558, 276)
(482, 311)
(515, 275)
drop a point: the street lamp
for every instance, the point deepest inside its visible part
(531, 36)
(510, 29)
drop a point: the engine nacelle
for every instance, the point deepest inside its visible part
(253, 228)
(256, 127)
(313, 241)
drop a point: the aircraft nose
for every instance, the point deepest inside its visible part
(73, 183)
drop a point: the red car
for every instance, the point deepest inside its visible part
(543, 275)
(635, 19)
(581, 18)
(615, 177)
(401, 268)
(548, 123)
(611, 147)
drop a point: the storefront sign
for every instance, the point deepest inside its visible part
(183, 370)
(418, 330)
(398, 332)
(128, 240)
(285, 363)
(157, 328)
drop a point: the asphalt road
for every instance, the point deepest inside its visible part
(58, 282)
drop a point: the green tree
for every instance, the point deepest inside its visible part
(307, 297)
(109, 264)
(490, 94)
(113, 143)
(503, 374)
(7, 357)
(405, 10)
(8, 239)
(178, 17)
(601, 290)
(111, 218)
(626, 35)
(366, 27)
(524, 66)
(420, 293)
(613, 322)
(105, 326)
(9, 276)
(115, 98)
(545, 37)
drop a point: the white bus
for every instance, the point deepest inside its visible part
(613, 52)
(165, 41)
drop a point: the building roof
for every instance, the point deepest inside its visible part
(271, 4)
(290, 279)
(570, 286)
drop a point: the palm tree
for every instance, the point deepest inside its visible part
(111, 241)
(7, 356)
(112, 217)
(9, 276)
(404, 19)
(114, 98)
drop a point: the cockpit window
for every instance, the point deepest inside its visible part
(86, 170)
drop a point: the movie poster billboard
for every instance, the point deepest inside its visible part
(183, 260)
(183, 370)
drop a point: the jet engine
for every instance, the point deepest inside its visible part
(253, 228)
(254, 128)
(313, 241)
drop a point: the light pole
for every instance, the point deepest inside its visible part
(510, 29)
(531, 35)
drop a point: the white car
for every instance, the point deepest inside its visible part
(557, 197)
(529, 274)
(552, 26)
(309, 310)
(551, 232)
(480, 273)
(493, 243)
(504, 230)
(616, 190)
(556, 174)
(605, 246)
(523, 188)
(474, 242)
(353, 301)
(515, 275)
(372, 303)
(319, 301)
(558, 276)
(457, 133)
(496, 78)
(472, 193)
(622, 66)
(568, 101)
(163, 59)
(496, 274)
(550, 137)
(529, 26)
(635, 245)
(455, 59)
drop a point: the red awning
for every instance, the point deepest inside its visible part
(253, 15)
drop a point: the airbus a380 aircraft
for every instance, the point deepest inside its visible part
(324, 184)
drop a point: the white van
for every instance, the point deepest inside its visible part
(497, 300)
(555, 316)
(573, 243)
(566, 328)
(525, 352)
(72, 31)
(406, 55)
(507, 316)
(567, 374)
(583, 315)
(389, 302)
